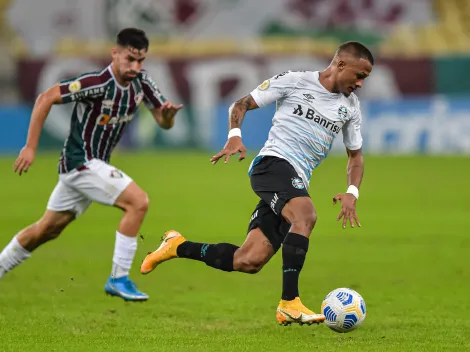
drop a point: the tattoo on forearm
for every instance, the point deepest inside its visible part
(238, 110)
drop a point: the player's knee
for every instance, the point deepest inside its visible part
(309, 219)
(140, 202)
(143, 203)
(133, 199)
(301, 213)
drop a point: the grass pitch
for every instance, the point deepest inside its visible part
(409, 260)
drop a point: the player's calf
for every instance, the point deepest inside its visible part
(248, 262)
(20, 247)
(46, 229)
(249, 258)
(300, 213)
(219, 256)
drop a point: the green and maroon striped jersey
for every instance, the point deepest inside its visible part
(102, 110)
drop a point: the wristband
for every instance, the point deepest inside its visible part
(353, 190)
(235, 132)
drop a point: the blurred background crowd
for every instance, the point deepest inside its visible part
(207, 53)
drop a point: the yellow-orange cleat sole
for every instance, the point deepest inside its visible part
(285, 318)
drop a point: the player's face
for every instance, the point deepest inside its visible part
(128, 62)
(351, 74)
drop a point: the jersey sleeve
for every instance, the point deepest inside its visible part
(277, 87)
(153, 98)
(83, 87)
(352, 137)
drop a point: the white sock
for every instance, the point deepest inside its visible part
(13, 255)
(124, 252)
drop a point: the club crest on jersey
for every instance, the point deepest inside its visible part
(116, 173)
(75, 86)
(343, 112)
(138, 98)
(264, 85)
(298, 183)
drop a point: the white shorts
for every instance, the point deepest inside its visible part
(97, 182)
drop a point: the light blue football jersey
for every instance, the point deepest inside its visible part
(307, 120)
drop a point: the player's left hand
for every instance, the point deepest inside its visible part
(234, 145)
(169, 110)
(24, 160)
(348, 209)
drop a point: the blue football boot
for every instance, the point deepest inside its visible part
(125, 288)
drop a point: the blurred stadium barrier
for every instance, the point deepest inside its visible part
(201, 55)
(426, 125)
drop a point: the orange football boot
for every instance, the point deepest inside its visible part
(167, 250)
(294, 311)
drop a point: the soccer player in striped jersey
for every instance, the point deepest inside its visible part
(104, 104)
(312, 107)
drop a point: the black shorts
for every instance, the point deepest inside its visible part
(275, 181)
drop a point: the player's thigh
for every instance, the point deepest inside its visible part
(133, 197)
(276, 182)
(265, 227)
(99, 182)
(64, 201)
(299, 209)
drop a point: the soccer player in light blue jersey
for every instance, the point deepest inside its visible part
(312, 107)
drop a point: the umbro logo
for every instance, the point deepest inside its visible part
(309, 97)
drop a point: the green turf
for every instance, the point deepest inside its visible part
(409, 261)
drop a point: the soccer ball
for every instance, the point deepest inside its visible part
(344, 309)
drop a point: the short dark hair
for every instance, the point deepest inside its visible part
(357, 50)
(134, 38)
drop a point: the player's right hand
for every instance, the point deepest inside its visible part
(24, 160)
(234, 145)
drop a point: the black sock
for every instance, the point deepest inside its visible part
(294, 250)
(219, 256)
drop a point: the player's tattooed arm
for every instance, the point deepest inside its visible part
(236, 113)
(238, 109)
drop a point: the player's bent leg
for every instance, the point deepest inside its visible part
(174, 245)
(255, 252)
(105, 184)
(249, 258)
(49, 227)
